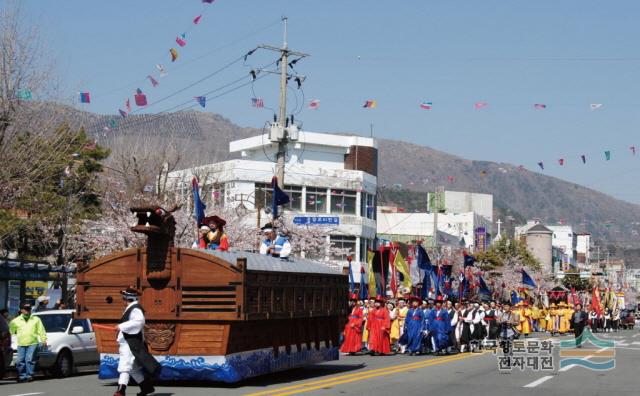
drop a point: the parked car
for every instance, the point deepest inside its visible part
(70, 343)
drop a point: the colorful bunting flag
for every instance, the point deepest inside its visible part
(127, 104)
(539, 106)
(370, 104)
(154, 82)
(113, 123)
(561, 161)
(208, 1)
(426, 105)
(180, 41)
(196, 20)
(140, 98)
(174, 54)
(24, 94)
(122, 113)
(541, 165)
(607, 155)
(584, 159)
(257, 102)
(595, 106)
(202, 100)
(633, 149)
(85, 97)
(314, 104)
(161, 69)
(480, 105)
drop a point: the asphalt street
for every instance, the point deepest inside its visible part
(462, 374)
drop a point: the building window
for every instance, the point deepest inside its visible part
(342, 246)
(363, 250)
(213, 195)
(343, 202)
(316, 200)
(295, 195)
(371, 206)
(264, 196)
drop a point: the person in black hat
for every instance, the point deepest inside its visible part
(135, 359)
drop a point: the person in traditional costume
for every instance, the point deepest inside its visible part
(440, 327)
(453, 325)
(525, 318)
(466, 335)
(394, 334)
(578, 322)
(535, 318)
(414, 327)
(552, 326)
(216, 237)
(563, 321)
(379, 326)
(508, 321)
(135, 359)
(277, 243)
(402, 316)
(542, 319)
(479, 327)
(366, 308)
(269, 237)
(353, 329)
(491, 319)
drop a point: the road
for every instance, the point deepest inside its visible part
(463, 374)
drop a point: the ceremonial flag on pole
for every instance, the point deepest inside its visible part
(468, 260)
(352, 284)
(424, 262)
(561, 161)
(527, 280)
(198, 206)
(154, 82)
(180, 41)
(85, 97)
(633, 149)
(314, 104)
(595, 301)
(196, 20)
(539, 106)
(174, 54)
(541, 165)
(370, 104)
(584, 159)
(607, 155)
(202, 100)
(514, 297)
(426, 105)
(403, 268)
(363, 287)
(371, 275)
(393, 283)
(279, 197)
(257, 102)
(426, 284)
(480, 105)
(595, 106)
(484, 289)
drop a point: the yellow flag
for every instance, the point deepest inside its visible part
(403, 268)
(371, 275)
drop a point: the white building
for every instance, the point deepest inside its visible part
(406, 227)
(331, 180)
(462, 202)
(583, 251)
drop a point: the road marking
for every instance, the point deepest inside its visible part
(635, 335)
(28, 394)
(314, 385)
(569, 367)
(538, 381)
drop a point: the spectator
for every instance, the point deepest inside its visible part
(29, 332)
(43, 302)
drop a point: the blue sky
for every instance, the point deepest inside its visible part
(511, 54)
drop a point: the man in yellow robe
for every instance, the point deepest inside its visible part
(551, 321)
(563, 323)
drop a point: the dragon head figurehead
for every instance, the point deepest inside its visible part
(160, 227)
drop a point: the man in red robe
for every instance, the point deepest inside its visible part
(379, 325)
(353, 329)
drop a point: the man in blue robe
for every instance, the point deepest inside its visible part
(429, 309)
(439, 327)
(414, 326)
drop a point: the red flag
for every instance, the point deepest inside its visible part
(180, 41)
(561, 161)
(141, 99)
(392, 267)
(595, 301)
(196, 20)
(480, 105)
(539, 106)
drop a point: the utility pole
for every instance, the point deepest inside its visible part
(282, 136)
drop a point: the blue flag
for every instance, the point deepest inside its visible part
(469, 260)
(198, 205)
(527, 280)
(484, 289)
(514, 297)
(363, 286)
(424, 262)
(352, 284)
(279, 197)
(202, 100)
(426, 284)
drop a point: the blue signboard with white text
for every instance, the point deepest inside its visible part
(316, 220)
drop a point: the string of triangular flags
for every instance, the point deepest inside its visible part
(140, 98)
(607, 155)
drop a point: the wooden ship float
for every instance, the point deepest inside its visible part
(211, 315)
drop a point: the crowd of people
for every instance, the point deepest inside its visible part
(415, 326)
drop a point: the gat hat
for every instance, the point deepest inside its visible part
(414, 298)
(214, 220)
(26, 307)
(130, 292)
(553, 305)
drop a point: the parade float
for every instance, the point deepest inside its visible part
(212, 315)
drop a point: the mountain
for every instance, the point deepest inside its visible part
(406, 171)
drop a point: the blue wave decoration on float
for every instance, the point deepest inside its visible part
(231, 368)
